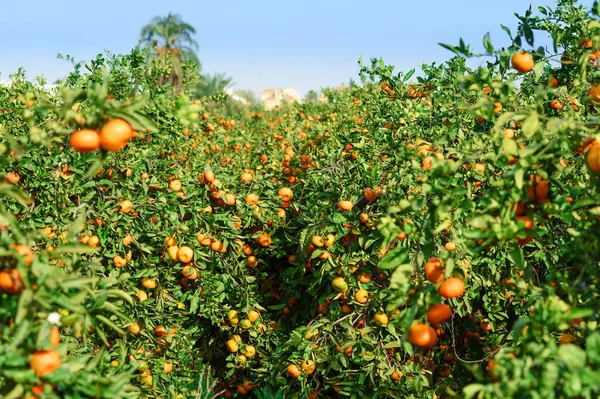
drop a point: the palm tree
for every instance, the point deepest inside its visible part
(171, 39)
(210, 85)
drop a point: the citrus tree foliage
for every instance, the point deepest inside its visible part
(414, 237)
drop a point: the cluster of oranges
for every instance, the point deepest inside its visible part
(113, 136)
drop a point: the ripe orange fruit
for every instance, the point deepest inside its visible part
(592, 158)
(293, 371)
(119, 261)
(450, 246)
(434, 270)
(170, 241)
(252, 261)
(190, 272)
(285, 194)
(586, 43)
(427, 162)
(345, 206)
(339, 284)
(24, 251)
(264, 240)
(175, 185)
(45, 362)
(308, 366)
(167, 367)
(527, 221)
(11, 281)
(149, 283)
(439, 313)
(497, 107)
(161, 331)
(364, 277)
(422, 336)
(84, 141)
(522, 61)
(552, 81)
(54, 336)
(555, 104)
(594, 92)
(13, 177)
(126, 206)
(253, 315)
(172, 251)
(93, 241)
(134, 328)
(185, 254)
(539, 188)
(361, 296)
(249, 351)
(370, 194)
(115, 134)
(317, 241)
(251, 199)
(246, 177)
(452, 287)
(232, 346)
(329, 240)
(230, 199)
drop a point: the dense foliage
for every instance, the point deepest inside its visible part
(435, 237)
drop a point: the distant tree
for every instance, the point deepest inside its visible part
(311, 96)
(249, 96)
(171, 39)
(210, 85)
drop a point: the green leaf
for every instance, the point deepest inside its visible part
(473, 389)
(505, 29)
(409, 75)
(194, 302)
(516, 256)
(487, 43)
(394, 258)
(538, 69)
(22, 332)
(401, 276)
(519, 327)
(94, 168)
(528, 33)
(110, 324)
(519, 178)
(510, 148)
(573, 356)
(73, 249)
(531, 125)
(13, 191)
(592, 347)
(454, 49)
(23, 306)
(17, 392)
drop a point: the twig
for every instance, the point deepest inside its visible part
(464, 360)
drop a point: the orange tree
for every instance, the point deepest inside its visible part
(433, 237)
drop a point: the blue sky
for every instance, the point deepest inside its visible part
(261, 44)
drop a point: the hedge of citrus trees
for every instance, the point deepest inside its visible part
(414, 238)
